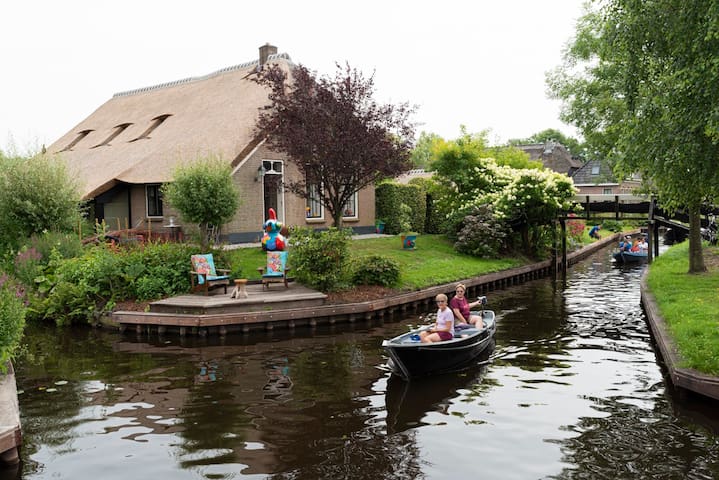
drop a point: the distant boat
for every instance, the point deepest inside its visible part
(630, 257)
(409, 358)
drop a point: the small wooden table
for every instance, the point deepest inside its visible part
(240, 291)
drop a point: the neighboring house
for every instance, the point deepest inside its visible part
(553, 156)
(127, 148)
(596, 177)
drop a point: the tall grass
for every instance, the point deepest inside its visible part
(689, 305)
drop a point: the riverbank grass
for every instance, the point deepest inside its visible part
(689, 304)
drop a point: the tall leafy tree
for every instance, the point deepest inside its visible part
(641, 80)
(204, 194)
(424, 151)
(335, 132)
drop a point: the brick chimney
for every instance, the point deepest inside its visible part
(265, 51)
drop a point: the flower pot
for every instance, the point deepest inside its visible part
(408, 240)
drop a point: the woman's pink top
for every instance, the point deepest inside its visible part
(460, 304)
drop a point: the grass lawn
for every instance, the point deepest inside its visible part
(689, 305)
(432, 262)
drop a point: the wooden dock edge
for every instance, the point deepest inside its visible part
(351, 312)
(687, 378)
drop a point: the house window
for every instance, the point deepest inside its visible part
(349, 211)
(156, 122)
(595, 169)
(77, 139)
(314, 210)
(154, 200)
(117, 131)
(607, 191)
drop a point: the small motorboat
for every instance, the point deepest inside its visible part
(410, 358)
(629, 257)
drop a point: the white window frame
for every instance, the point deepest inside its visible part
(316, 201)
(355, 215)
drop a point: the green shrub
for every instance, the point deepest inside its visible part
(480, 234)
(320, 258)
(36, 194)
(376, 270)
(12, 319)
(613, 225)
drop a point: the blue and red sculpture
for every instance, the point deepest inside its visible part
(272, 239)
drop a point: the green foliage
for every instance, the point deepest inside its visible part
(640, 82)
(204, 194)
(320, 258)
(423, 152)
(37, 194)
(12, 320)
(432, 220)
(81, 289)
(389, 198)
(688, 304)
(480, 233)
(376, 270)
(613, 226)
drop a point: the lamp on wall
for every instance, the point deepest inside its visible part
(260, 173)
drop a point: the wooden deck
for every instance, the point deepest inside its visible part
(278, 307)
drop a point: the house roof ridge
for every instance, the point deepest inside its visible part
(221, 71)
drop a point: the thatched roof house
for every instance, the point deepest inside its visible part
(132, 144)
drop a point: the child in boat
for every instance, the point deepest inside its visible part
(461, 307)
(444, 326)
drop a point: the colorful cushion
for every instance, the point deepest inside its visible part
(204, 264)
(276, 262)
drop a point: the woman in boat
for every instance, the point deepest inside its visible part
(461, 307)
(444, 326)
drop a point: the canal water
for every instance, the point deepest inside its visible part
(571, 389)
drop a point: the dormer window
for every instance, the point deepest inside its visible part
(79, 137)
(595, 169)
(156, 122)
(117, 131)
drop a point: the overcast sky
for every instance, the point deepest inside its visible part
(478, 63)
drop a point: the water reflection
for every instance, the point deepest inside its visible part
(571, 390)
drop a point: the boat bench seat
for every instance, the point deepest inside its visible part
(465, 331)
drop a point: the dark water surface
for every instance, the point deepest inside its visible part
(572, 389)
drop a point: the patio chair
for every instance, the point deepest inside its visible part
(276, 270)
(204, 276)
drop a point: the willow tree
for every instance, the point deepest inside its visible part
(338, 136)
(641, 81)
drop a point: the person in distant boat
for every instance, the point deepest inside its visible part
(443, 328)
(594, 232)
(461, 307)
(635, 246)
(625, 244)
(643, 245)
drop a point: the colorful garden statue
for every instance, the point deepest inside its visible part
(273, 240)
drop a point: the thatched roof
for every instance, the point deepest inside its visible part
(210, 115)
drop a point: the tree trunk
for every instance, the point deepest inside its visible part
(696, 257)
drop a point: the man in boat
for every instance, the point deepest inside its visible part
(443, 328)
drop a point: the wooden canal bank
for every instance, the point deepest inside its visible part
(299, 306)
(686, 378)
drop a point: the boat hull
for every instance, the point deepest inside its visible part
(412, 359)
(630, 257)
